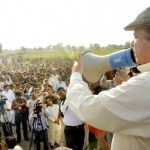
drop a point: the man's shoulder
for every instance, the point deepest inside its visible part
(141, 78)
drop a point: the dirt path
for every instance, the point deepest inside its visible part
(24, 144)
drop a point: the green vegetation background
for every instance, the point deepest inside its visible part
(65, 54)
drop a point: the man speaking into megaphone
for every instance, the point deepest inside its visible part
(125, 109)
(95, 66)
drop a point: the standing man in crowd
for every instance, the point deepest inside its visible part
(8, 93)
(6, 120)
(39, 125)
(74, 127)
(123, 110)
(19, 106)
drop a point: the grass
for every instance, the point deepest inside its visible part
(66, 54)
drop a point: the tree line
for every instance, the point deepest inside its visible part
(61, 47)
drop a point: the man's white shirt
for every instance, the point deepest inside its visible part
(39, 123)
(6, 116)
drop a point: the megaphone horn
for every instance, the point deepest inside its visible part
(95, 66)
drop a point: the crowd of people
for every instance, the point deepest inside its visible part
(27, 85)
(60, 109)
(36, 97)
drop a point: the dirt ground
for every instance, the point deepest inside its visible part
(24, 144)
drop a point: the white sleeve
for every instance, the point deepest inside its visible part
(123, 109)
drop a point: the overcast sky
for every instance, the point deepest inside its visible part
(35, 23)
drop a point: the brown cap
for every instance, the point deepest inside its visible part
(143, 19)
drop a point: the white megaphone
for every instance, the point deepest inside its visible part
(95, 66)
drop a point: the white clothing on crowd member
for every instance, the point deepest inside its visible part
(17, 147)
(40, 123)
(10, 97)
(8, 114)
(30, 90)
(8, 80)
(40, 98)
(116, 104)
(30, 105)
(55, 77)
(74, 127)
(54, 128)
(6, 119)
(50, 82)
(70, 118)
(61, 84)
(62, 136)
(1, 85)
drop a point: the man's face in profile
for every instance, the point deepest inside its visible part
(141, 46)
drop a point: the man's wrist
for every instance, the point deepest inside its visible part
(76, 75)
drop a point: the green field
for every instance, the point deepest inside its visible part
(62, 54)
